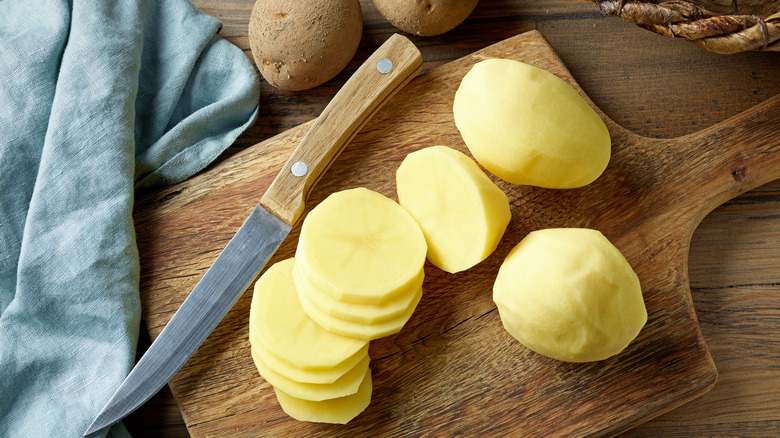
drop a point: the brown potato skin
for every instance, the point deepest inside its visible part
(425, 17)
(299, 45)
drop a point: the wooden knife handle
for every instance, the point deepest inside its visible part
(385, 72)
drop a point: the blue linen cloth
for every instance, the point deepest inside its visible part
(97, 99)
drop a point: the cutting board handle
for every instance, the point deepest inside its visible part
(755, 136)
(725, 160)
(385, 72)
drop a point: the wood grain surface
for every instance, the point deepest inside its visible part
(652, 86)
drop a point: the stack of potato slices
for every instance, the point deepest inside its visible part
(357, 276)
(359, 264)
(302, 361)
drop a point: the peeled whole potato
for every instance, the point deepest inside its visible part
(569, 294)
(300, 45)
(425, 17)
(527, 126)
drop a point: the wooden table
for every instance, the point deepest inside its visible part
(656, 87)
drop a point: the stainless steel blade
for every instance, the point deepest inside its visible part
(233, 271)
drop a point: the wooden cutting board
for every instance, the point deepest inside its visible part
(453, 370)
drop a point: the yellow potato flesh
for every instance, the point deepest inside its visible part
(358, 330)
(337, 410)
(461, 212)
(569, 294)
(284, 328)
(292, 372)
(527, 126)
(358, 313)
(361, 246)
(344, 385)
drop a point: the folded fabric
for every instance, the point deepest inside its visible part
(97, 98)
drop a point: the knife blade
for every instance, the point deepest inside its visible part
(385, 72)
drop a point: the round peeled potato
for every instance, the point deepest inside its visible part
(569, 294)
(425, 17)
(300, 45)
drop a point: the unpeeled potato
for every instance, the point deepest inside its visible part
(300, 45)
(425, 17)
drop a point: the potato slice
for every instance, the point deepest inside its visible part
(357, 330)
(284, 328)
(461, 212)
(358, 313)
(361, 246)
(292, 372)
(569, 294)
(340, 295)
(336, 410)
(527, 126)
(344, 385)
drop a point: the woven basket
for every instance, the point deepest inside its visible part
(721, 26)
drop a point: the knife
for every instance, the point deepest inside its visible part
(386, 71)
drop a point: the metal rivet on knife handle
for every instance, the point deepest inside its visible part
(299, 168)
(384, 66)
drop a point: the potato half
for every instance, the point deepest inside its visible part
(461, 212)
